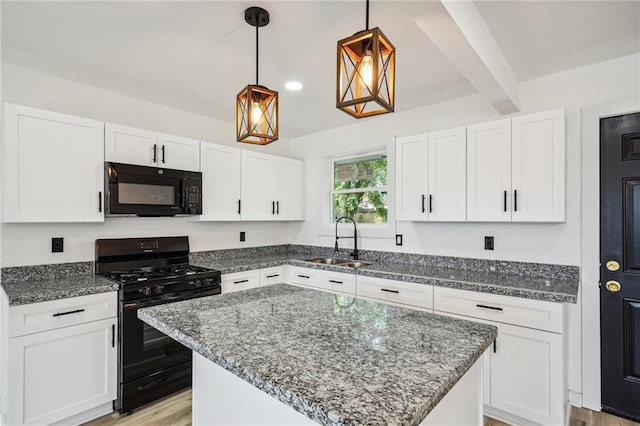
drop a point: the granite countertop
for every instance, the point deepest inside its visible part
(333, 358)
(553, 290)
(42, 290)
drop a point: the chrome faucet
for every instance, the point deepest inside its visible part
(354, 254)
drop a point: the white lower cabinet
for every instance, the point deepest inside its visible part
(524, 370)
(273, 275)
(63, 372)
(396, 292)
(238, 281)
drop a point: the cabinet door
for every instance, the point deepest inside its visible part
(527, 374)
(131, 146)
(220, 166)
(489, 171)
(258, 202)
(43, 177)
(176, 152)
(288, 181)
(447, 175)
(60, 373)
(538, 167)
(412, 177)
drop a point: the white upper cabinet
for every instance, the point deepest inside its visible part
(52, 167)
(220, 166)
(412, 185)
(489, 171)
(176, 152)
(430, 170)
(257, 187)
(288, 188)
(271, 187)
(538, 167)
(447, 175)
(147, 148)
(130, 146)
(516, 169)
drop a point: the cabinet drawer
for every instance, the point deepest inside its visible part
(338, 282)
(240, 281)
(304, 276)
(43, 316)
(273, 275)
(495, 307)
(420, 295)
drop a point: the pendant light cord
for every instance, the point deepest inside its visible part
(367, 28)
(257, 27)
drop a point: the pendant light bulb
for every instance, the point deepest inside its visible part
(366, 70)
(256, 113)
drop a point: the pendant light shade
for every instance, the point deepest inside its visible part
(257, 106)
(366, 73)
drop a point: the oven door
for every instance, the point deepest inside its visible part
(143, 191)
(143, 349)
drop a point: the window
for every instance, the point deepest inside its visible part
(360, 189)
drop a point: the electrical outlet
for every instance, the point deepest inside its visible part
(488, 243)
(57, 245)
(398, 239)
(242, 236)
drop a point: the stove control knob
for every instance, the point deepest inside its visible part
(148, 291)
(197, 283)
(159, 289)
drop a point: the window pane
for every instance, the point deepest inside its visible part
(363, 207)
(367, 172)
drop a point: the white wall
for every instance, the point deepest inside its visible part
(27, 244)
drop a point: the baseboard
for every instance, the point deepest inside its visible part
(575, 399)
(507, 418)
(86, 416)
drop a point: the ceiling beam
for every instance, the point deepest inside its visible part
(463, 37)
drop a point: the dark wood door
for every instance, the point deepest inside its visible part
(620, 281)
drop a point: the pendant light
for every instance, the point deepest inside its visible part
(257, 106)
(366, 73)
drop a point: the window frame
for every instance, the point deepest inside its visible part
(364, 156)
(365, 230)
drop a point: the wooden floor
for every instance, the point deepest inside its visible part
(176, 410)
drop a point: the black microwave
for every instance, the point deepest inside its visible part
(132, 190)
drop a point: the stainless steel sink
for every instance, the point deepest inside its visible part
(354, 264)
(338, 262)
(328, 260)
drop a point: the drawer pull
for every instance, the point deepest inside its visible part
(390, 291)
(303, 276)
(77, 311)
(335, 281)
(241, 281)
(495, 308)
(113, 335)
(273, 276)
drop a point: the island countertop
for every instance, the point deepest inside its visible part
(334, 358)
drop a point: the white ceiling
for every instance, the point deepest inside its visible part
(197, 56)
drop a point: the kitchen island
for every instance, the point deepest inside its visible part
(322, 357)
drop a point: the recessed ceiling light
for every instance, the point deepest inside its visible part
(293, 85)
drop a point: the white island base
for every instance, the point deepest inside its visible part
(221, 398)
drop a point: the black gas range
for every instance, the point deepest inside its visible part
(151, 271)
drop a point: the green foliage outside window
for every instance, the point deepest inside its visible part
(360, 189)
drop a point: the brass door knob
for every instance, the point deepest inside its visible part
(613, 286)
(612, 265)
